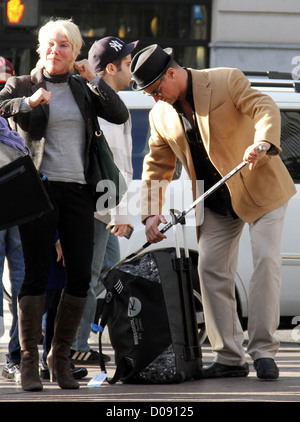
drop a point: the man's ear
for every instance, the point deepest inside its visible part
(170, 73)
(111, 69)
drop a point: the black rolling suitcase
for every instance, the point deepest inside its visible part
(150, 314)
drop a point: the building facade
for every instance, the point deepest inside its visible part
(252, 35)
(181, 24)
(256, 35)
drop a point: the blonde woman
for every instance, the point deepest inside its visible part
(48, 108)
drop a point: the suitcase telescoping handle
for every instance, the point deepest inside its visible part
(173, 214)
(197, 201)
(184, 268)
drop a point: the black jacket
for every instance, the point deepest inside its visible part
(32, 125)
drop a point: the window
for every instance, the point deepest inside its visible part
(140, 136)
(290, 142)
(180, 24)
(183, 25)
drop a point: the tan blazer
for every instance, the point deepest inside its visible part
(230, 116)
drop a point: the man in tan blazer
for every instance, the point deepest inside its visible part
(211, 120)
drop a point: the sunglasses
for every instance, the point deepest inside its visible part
(157, 92)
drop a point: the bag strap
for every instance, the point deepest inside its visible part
(98, 131)
(103, 323)
(122, 366)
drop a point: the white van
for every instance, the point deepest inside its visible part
(286, 94)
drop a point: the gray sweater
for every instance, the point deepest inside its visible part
(63, 158)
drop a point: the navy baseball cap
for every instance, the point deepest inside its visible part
(108, 49)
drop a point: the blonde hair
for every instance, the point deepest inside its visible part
(63, 26)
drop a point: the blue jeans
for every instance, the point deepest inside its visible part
(106, 254)
(11, 249)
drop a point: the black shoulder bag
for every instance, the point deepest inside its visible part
(112, 185)
(22, 191)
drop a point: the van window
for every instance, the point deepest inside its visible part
(290, 142)
(140, 136)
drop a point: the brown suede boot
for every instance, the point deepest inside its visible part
(67, 320)
(31, 309)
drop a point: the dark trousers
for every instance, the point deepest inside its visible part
(73, 217)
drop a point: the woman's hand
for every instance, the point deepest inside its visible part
(60, 255)
(85, 69)
(41, 96)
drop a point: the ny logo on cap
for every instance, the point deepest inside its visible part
(116, 45)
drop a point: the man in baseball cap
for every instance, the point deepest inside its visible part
(110, 58)
(107, 50)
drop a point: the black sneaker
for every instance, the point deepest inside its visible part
(266, 369)
(88, 358)
(218, 370)
(78, 373)
(11, 371)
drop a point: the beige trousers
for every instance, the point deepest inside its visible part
(218, 257)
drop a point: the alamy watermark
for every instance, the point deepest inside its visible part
(296, 330)
(177, 195)
(296, 69)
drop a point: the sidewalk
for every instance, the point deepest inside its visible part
(250, 389)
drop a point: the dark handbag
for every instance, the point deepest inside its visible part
(111, 185)
(22, 192)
